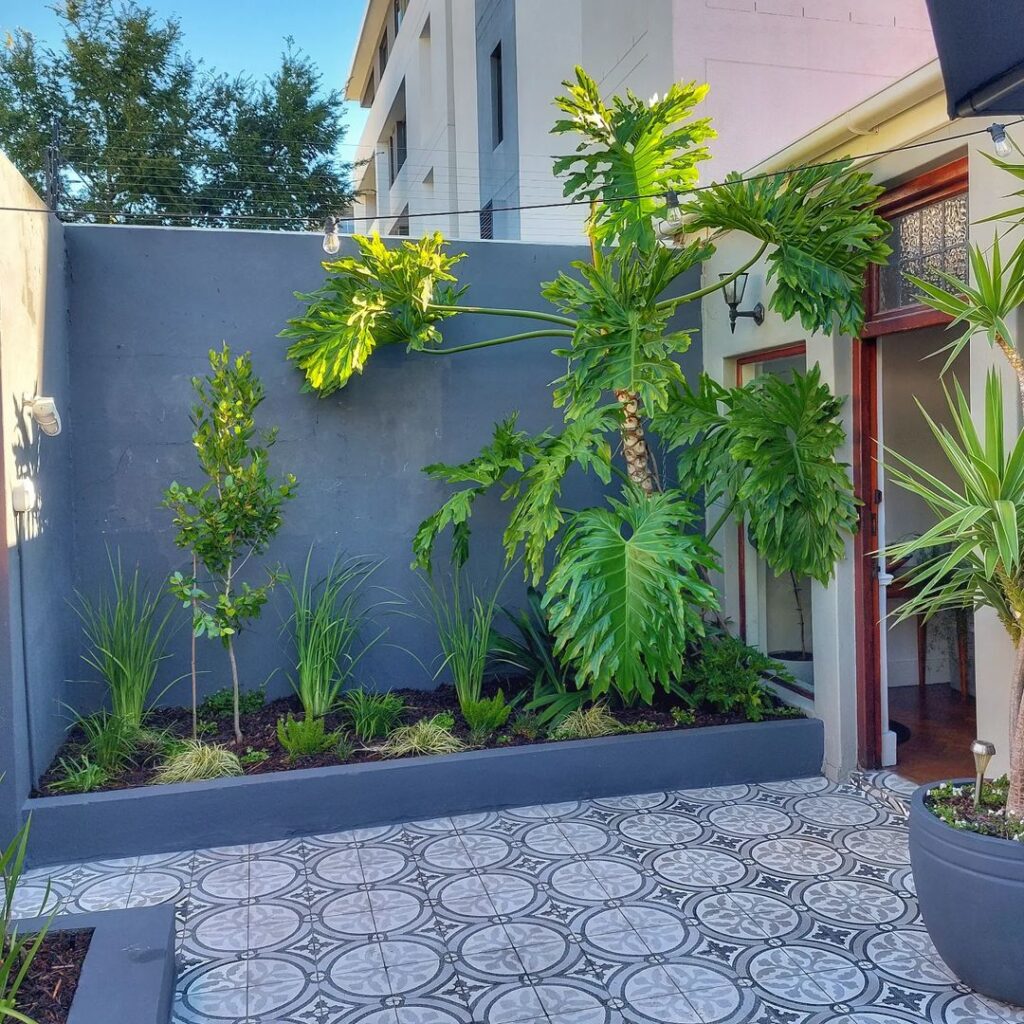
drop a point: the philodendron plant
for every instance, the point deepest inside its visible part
(630, 582)
(979, 530)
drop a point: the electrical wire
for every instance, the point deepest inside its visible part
(523, 207)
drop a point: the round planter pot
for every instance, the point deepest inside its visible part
(970, 889)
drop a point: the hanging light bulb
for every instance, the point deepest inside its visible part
(332, 240)
(673, 215)
(1000, 140)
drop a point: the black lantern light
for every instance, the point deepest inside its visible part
(734, 285)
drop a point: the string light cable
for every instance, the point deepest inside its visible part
(1002, 144)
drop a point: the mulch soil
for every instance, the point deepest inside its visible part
(49, 986)
(259, 731)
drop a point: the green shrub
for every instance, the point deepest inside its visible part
(587, 723)
(427, 736)
(344, 748)
(79, 775)
(192, 761)
(302, 737)
(220, 703)
(726, 675)
(683, 716)
(486, 715)
(444, 719)
(373, 715)
(253, 756)
(126, 635)
(110, 741)
(640, 726)
(527, 726)
(326, 623)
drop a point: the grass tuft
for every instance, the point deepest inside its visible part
(427, 736)
(193, 761)
(373, 715)
(79, 775)
(587, 723)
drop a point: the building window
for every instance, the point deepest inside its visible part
(487, 220)
(371, 90)
(382, 53)
(399, 7)
(397, 150)
(401, 226)
(497, 99)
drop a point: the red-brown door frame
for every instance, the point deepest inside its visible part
(941, 183)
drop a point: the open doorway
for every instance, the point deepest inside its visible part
(926, 667)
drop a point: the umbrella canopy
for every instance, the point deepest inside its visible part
(981, 51)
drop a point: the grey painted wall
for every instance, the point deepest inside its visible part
(499, 165)
(35, 547)
(148, 303)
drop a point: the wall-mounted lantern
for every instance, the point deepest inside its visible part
(732, 292)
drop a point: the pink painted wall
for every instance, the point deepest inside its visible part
(779, 68)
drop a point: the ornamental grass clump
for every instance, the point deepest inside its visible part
(587, 723)
(126, 634)
(373, 715)
(327, 622)
(193, 761)
(427, 736)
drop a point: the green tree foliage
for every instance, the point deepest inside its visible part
(148, 135)
(235, 514)
(628, 587)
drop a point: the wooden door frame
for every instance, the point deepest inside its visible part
(940, 183)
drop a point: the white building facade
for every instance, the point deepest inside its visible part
(460, 92)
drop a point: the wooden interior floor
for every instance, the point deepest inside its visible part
(942, 726)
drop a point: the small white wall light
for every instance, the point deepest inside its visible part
(23, 496)
(44, 411)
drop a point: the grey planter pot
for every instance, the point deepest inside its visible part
(129, 970)
(971, 892)
(279, 805)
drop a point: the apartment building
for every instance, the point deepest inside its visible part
(460, 92)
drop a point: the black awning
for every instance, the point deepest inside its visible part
(981, 51)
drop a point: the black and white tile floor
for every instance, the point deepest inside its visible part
(780, 903)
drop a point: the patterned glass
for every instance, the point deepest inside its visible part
(926, 243)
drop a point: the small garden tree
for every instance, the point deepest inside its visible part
(974, 555)
(233, 516)
(629, 585)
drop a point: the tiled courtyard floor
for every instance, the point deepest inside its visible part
(778, 903)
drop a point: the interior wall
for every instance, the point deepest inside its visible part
(35, 570)
(908, 374)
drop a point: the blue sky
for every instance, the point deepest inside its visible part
(238, 36)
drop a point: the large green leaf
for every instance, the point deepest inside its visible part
(821, 225)
(382, 296)
(630, 155)
(627, 593)
(769, 450)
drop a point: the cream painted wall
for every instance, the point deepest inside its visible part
(835, 651)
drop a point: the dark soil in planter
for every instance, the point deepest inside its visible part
(49, 986)
(259, 729)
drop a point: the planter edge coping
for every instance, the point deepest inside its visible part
(996, 845)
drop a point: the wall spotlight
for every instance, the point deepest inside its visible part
(332, 240)
(1000, 141)
(43, 410)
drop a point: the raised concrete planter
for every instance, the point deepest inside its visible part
(259, 808)
(128, 974)
(970, 889)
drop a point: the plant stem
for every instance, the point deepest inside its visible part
(720, 521)
(235, 690)
(551, 333)
(526, 314)
(1015, 796)
(634, 443)
(799, 611)
(721, 283)
(195, 683)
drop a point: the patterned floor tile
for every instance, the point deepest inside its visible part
(788, 902)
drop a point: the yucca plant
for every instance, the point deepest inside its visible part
(126, 633)
(972, 556)
(628, 589)
(16, 951)
(327, 621)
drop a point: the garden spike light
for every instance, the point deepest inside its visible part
(983, 752)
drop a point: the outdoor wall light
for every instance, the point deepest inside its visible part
(332, 240)
(1000, 141)
(44, 411)
(983, 752)
(732, 292)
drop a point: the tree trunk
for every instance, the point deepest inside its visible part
(634, 444)
(1015, 798)
(235, 691)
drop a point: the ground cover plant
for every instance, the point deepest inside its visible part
(628, 590)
